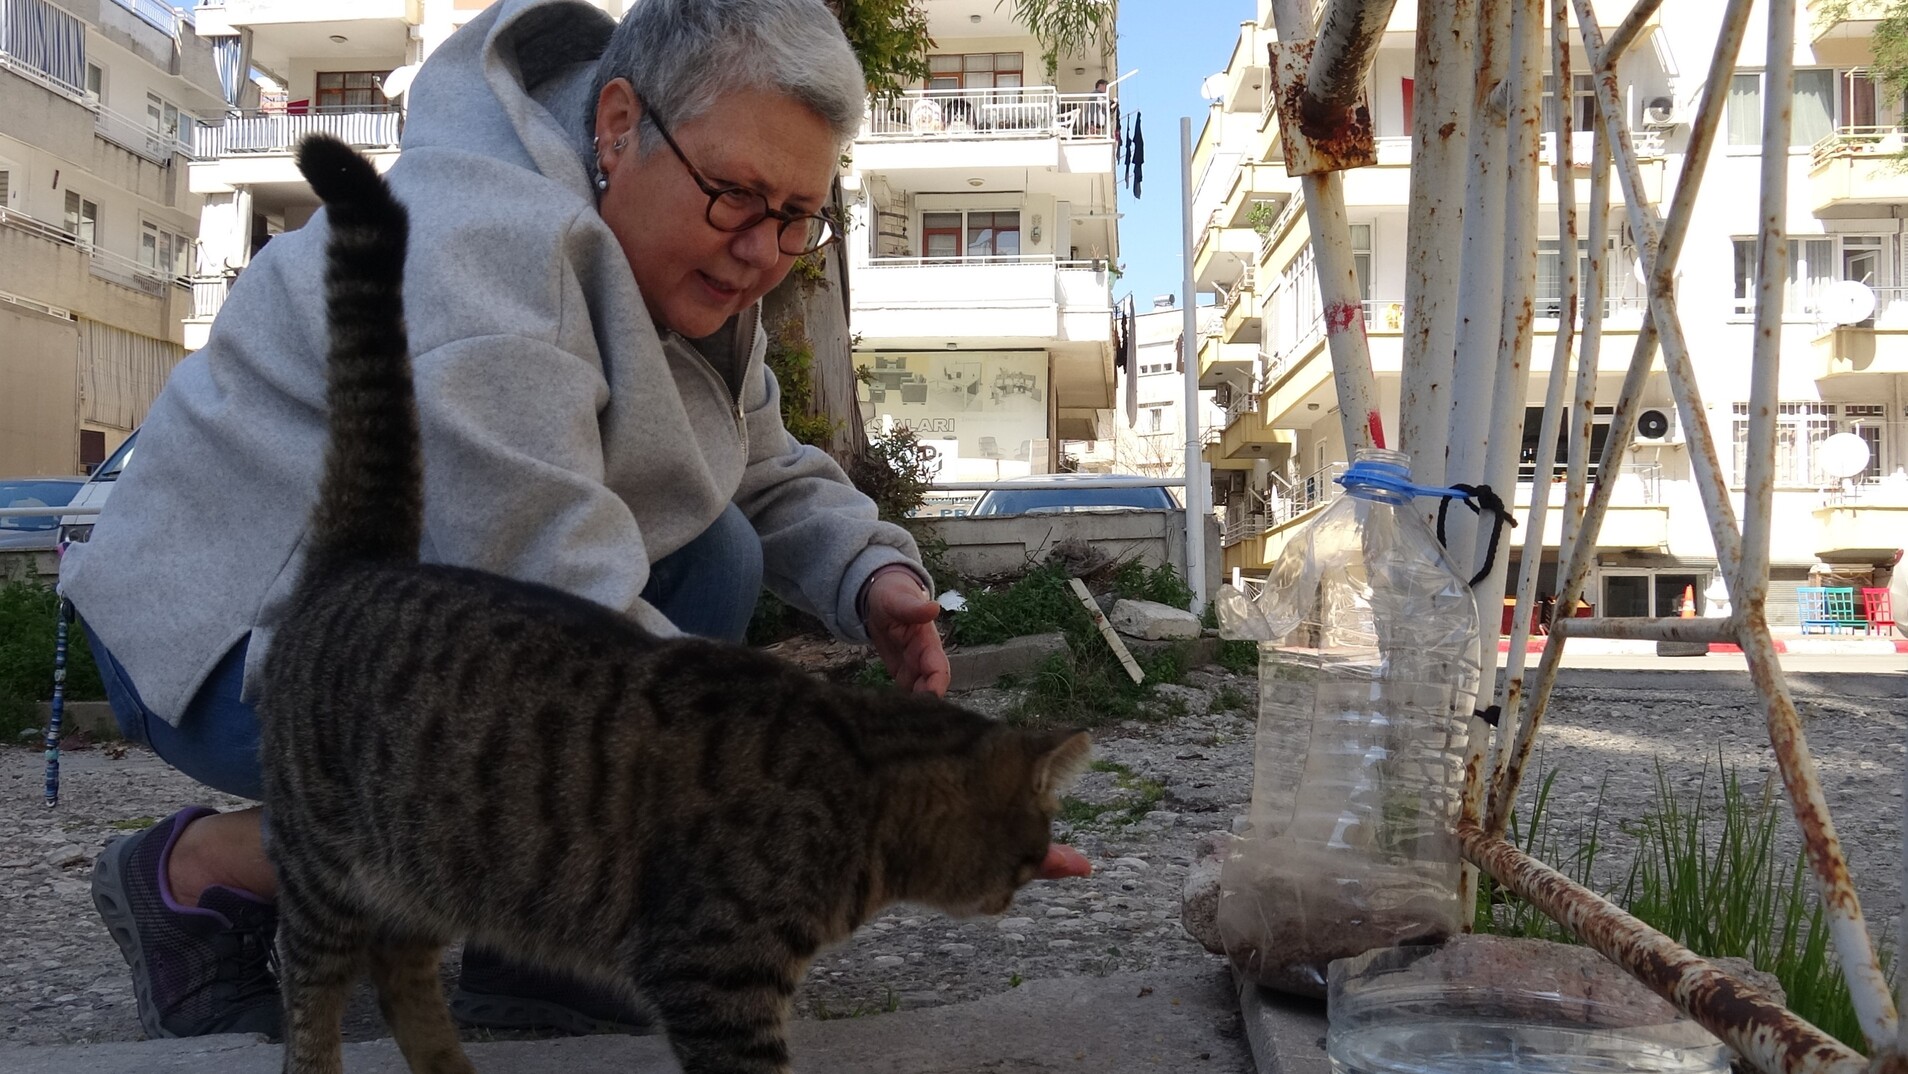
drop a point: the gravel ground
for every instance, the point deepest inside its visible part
(1159, 786)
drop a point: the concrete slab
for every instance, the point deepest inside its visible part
(1134, 1023)
(972, 667)
(1287, 1033)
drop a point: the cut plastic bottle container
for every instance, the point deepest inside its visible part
(1397, 1011)
(1368, 672)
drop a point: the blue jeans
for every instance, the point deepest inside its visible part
(708, 588)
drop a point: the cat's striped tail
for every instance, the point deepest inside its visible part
(370, 502)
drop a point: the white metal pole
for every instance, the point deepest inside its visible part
(1440, 132)
(1198, 488)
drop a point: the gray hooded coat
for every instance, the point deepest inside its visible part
(566, 440)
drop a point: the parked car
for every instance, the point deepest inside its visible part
(34, 533)
(94, 492)
(1050, 494)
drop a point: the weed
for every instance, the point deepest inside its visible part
(1230, 698)
(823, 1013)
(873, 673)
(1238, 657)
(1014, 980)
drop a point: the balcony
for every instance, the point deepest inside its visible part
(1857, 172)
(1834, 19)
(1222, 252)
(255, 13)
(56, 270)
(1222, 362)
(254, 148)
(1031, 299)
(1637, 518)
(1877, 345)
(138, 136)
(1024, 127)
(1863, 521)
(1241, 321)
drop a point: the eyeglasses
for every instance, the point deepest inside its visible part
(735, 208)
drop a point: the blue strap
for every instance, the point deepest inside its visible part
(1390, 477)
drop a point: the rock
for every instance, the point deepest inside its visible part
(1150, 619)
(889, 960)
(1015, 924)
(1196, 702)
(1199, 899)
(64, 855)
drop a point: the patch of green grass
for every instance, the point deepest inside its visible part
(1705, 873)
(134, 824)
(1161, 585)
(1142, 797)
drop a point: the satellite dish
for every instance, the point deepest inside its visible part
(1642, 274)
(399, 80)
(1214, 87)
(1847, 302)
(1844, 455)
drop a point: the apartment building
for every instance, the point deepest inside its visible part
(97, 102)
(983, 246)
(336, 66)
(1844, 339)
(1145, 432)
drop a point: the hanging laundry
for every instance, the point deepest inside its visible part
(1139, 155)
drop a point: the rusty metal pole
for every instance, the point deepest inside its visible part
(1480, 298)
(1511, 692)
(1441, 121)
(1348, 38)
(1764, 1032)
(1317, 160)
(1867, 986)
(1623, 421)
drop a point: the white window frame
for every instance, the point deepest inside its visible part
(78, 222)
(155, 238)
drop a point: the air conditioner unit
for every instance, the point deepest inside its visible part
(1660, 112)
(1657, 426)
(1222, 395)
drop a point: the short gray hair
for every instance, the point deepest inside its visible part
(684, 55)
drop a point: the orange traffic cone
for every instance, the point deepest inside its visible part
(1689, 602)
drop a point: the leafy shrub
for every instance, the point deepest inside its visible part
(28, 617)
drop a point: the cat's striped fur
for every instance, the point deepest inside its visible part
(451, 753)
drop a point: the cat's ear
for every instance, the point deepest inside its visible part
(1062, 758)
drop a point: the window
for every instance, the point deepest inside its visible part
(1155, 419)
(95, 82)
(162, 116)
(1870, 422)
(6, 187)
(1361, 258)
(82, 218)
(956, 235)
(164, 251)
(1800, 430)
(1583, 102)
(983, 70)
(340, 91)
(1533, 425)
(1812, 267)
(1813, 116)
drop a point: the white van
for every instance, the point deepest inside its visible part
(93, 494)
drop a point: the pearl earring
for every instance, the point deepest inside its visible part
(602, 182)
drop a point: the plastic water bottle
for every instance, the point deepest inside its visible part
(1369, 668)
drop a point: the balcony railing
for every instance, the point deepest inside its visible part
(208, 295)
(280, 132)
(1013, 278)
(1020, 112)
(1884, 141)
(138, 136)
(113, 267)
(1290, 500)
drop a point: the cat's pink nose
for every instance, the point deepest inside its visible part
(1064, 861)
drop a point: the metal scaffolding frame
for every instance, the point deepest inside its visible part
(1467, 346)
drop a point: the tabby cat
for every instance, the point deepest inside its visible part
(453, 753)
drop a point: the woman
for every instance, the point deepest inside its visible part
(596, 210)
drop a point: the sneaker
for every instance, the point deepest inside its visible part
(497, 994)
(196, 969)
